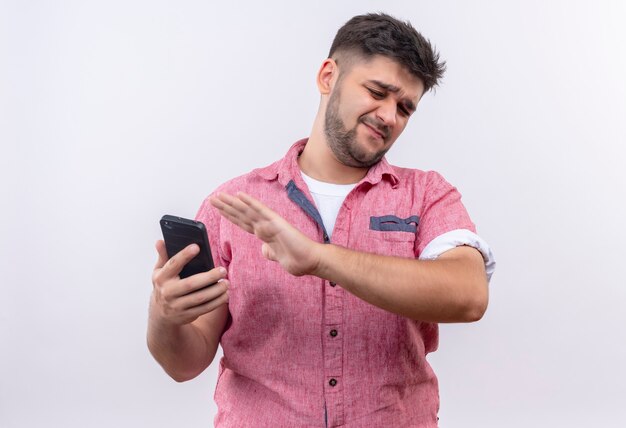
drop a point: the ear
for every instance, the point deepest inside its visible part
(327, 76)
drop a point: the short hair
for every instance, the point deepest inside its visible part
(381, 34)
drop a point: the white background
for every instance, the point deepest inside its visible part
(113, 113)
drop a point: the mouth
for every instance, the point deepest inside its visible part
(374, 131)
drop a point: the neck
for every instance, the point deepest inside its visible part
(318, 161)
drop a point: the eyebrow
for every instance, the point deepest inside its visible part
(391, 88)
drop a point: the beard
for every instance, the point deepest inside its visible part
(342, 141)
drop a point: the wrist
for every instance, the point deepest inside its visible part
(323, 252)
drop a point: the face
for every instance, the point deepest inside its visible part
(368, 109)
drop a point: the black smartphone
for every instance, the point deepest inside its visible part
(180, 232)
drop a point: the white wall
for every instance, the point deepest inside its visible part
(113, 113)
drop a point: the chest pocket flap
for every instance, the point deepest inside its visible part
(392, 223)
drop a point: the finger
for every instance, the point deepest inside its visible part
(235, 219)
(267, 252)
(220, 200)
(199, 281)
(225, 198)
(232, 214)
(239, 208)
(160, 247)
(175, 264)
(236, 211)
(209, 306)
(203, 296)
(224, 204)
(256, 205)
(264, 213)
(241, 223)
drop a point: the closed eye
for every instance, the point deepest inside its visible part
(376, 94)
(405, 111)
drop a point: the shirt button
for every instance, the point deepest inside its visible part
(325, 238)
(333, 333)
(332, 382)
(332, 284)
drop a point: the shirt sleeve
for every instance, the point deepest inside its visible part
(456, 238)
(445, 224)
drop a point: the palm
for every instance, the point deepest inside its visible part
(281, 241)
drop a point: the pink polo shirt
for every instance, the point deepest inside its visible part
(303, 352)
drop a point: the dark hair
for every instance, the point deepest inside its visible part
(382, 34)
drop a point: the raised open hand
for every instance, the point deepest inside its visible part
(283, 243)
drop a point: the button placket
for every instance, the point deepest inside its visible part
(333, 324)
(333, 353)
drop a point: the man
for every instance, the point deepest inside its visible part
(339, 265)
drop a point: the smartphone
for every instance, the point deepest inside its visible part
(180, 232)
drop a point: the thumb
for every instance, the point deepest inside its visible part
(267, 252)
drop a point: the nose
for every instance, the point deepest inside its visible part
(386, 112)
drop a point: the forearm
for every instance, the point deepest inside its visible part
(452, 288)
(449, 289)
(181, 350)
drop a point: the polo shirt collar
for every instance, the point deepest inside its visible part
(287, 168)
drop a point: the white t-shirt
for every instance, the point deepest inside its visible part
(328, 198)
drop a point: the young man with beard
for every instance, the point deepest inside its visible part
(334, 267)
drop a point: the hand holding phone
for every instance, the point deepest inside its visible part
(186, 285)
